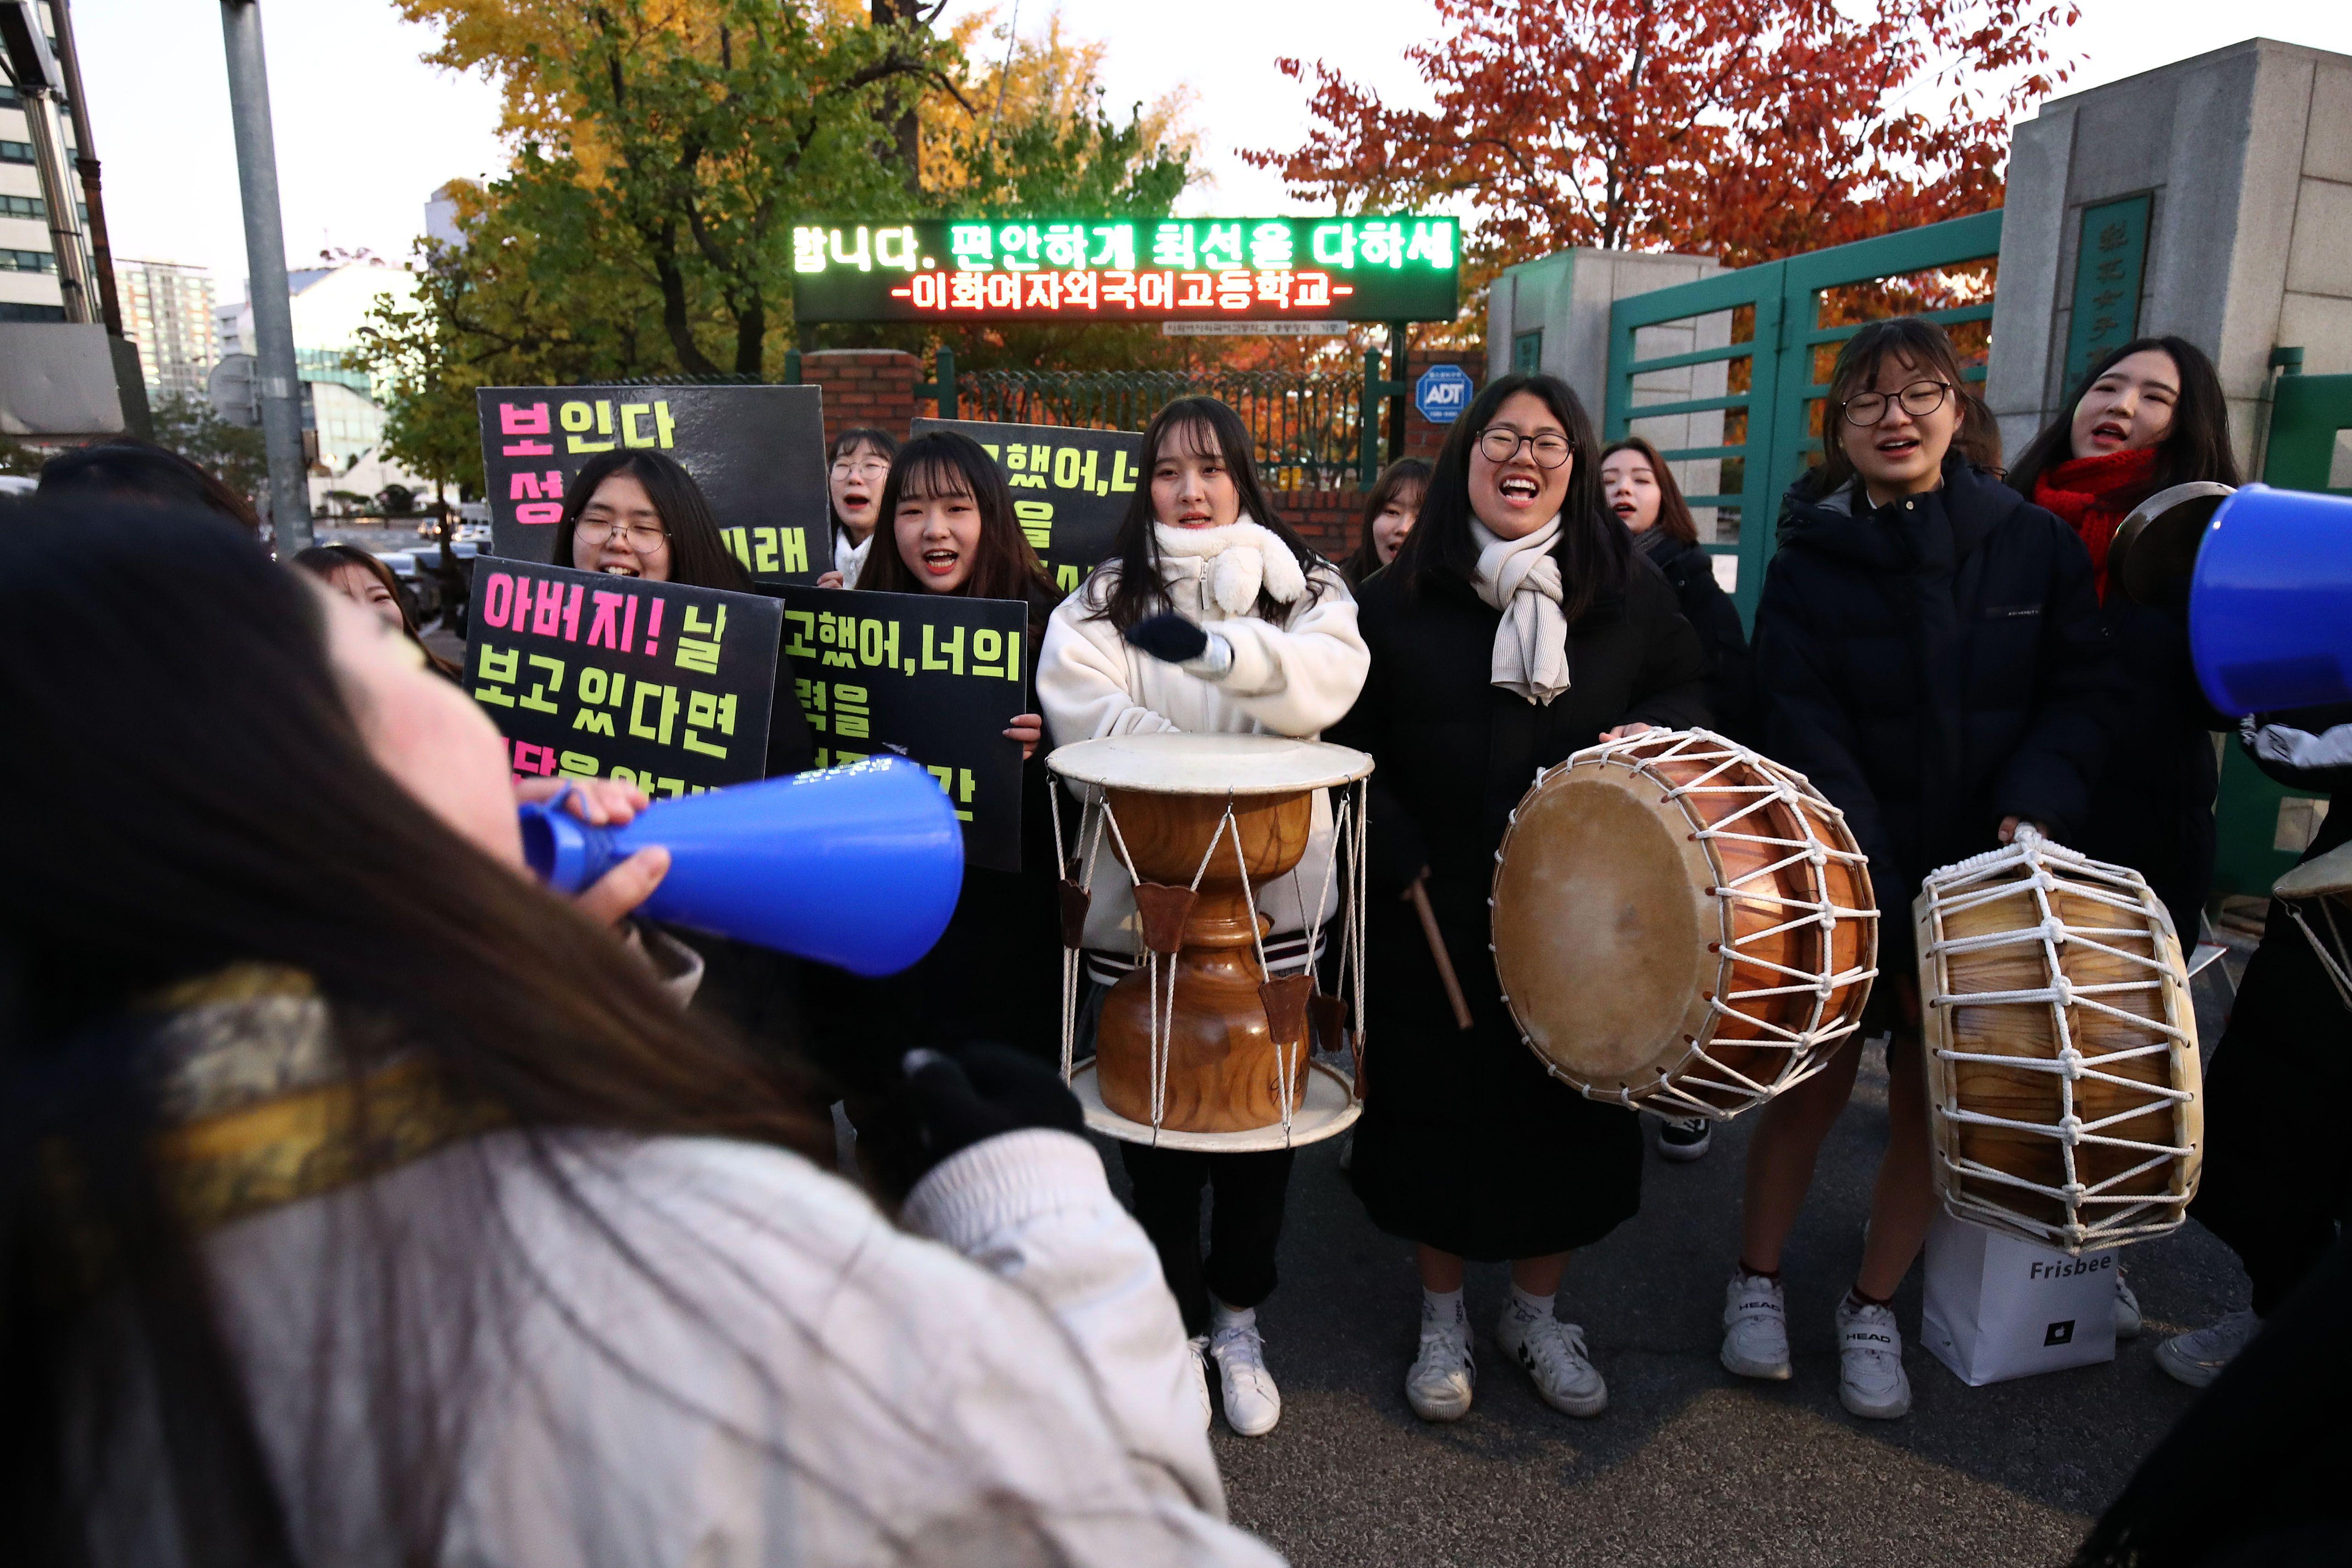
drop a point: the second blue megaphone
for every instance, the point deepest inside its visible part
(859, 866)
(2270, 602)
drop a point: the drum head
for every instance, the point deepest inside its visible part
(2330, 875)
(1602, 921)
(1177, 763)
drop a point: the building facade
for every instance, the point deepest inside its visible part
(28, 267)
(167, 310)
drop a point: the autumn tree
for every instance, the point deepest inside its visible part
(1746, 132)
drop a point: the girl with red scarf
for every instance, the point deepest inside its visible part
(2149, 416)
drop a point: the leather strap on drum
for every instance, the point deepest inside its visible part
(1163, 911)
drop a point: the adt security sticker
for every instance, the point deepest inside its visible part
(1442, 394)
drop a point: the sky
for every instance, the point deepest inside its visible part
(365, 132)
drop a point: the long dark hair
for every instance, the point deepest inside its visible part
(1924, 345)
(2196, 447)
(1135, 591)
(699, 556)
(849, 440)
(274, 839)
(1405, 476)
(1674, 512)
(945, 463)
(323, 561)
(1594, 548)
(126, 469)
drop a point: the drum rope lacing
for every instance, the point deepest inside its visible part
(2330, 958)
(1161, 1000)
(1807, 1047)
(1984, 878)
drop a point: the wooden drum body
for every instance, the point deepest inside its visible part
(1680, 925)
(2062, 1082)
(1223, 1071)
(1198, 1047)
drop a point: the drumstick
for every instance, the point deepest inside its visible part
(1420, 898)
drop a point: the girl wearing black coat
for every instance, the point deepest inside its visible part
(1929, 653)
(1637, 485)
(1517, 625)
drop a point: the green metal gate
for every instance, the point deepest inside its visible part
(1746, 395)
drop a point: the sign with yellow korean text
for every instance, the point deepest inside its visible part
(928, 676)
(757, 452)
(1372, 267)
(1070, 486)
(596, 677)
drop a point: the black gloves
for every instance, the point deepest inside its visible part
(1169, 637)
(981, 1090)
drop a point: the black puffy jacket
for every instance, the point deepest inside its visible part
(1933, 666)
(1730, 677)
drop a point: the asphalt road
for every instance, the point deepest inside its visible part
(1688, 1464)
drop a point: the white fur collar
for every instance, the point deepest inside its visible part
(1239, 559)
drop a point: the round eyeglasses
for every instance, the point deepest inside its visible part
(644, 538)
(1501, 444)
(1919, 399)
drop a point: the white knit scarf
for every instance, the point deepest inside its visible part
(1519, 577)
(1238, 560)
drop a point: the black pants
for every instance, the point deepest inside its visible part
(1246, 1192)
(2277, 1185)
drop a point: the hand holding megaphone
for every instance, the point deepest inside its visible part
(604, 803)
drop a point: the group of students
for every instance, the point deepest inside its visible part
(373, 1205)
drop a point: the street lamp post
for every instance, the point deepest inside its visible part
(265, 254)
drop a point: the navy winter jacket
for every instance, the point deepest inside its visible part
(1933, 666)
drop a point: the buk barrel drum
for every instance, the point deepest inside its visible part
(2062, 1087)
(1200, 1046)
(1680, 925)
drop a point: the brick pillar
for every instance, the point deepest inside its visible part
(864, 386)
(1421, 438)
(1328, 521)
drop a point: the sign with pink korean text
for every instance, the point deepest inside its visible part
(590, 675)
(757, 452)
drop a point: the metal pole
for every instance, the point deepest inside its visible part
(86, 165)
(265, 260)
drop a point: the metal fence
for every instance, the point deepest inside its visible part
(1308, 427)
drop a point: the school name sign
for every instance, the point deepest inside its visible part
(1405, 269)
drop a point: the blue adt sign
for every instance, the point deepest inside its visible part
(1442, 394)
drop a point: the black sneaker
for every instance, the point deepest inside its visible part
(1687, 1138)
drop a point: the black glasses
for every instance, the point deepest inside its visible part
(1919, 399)
(1501, 444)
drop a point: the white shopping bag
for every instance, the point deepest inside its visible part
(1999, 1308)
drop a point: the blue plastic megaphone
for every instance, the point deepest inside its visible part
(859, 866)
(2270, 601)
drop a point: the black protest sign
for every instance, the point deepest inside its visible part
(1070, 487)
(594, 677)
(928, 676)
(758, 452)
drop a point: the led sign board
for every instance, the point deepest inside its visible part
(1128, 269)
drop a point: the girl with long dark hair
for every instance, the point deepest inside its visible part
(368, 582)
(1514, 627)
(857, 466)
(370, 1205)
(1212, 618)
(1389, 507)
(1929, 653)
(127, 468)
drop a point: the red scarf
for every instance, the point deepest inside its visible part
(2094, 495)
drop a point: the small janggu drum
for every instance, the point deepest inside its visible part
(1200, 1046)
(2061, 1047)
(1680, 925)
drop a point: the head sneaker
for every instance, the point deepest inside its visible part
(1870, 1380)
(1755, 1328)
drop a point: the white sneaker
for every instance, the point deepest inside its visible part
(1438, 1387)
(2127, 1319)
(1755, 1328)
(1253, 1404)
(2197, 1357)
(1871, 1381)
(1553, 1353)
(1198, 1346)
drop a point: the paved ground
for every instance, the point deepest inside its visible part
(1688, 1466)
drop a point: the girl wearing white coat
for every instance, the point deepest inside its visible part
(1212, 618)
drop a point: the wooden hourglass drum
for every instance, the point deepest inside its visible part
(1200, 1046)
